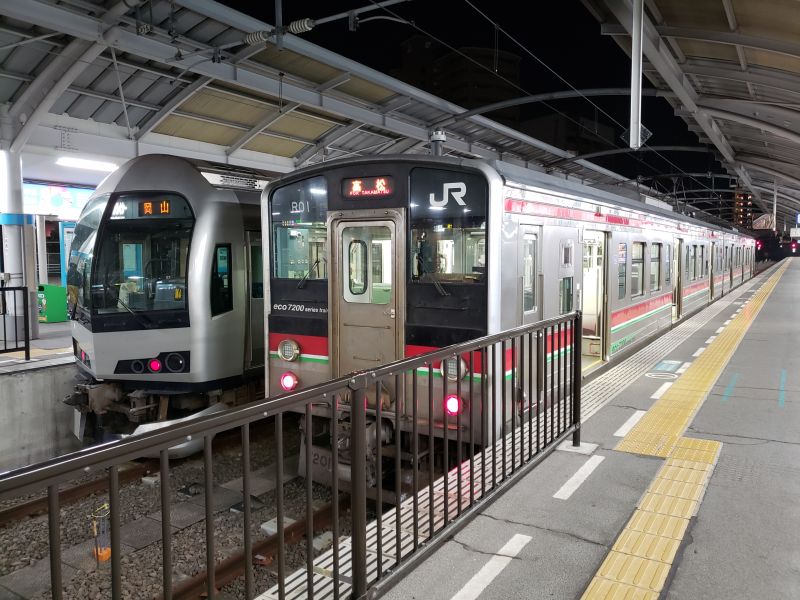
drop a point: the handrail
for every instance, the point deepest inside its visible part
(97, 457)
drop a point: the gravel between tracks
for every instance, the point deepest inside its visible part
(25, 542)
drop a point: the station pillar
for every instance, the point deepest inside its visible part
(18, 234)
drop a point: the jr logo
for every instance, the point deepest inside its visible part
(457, 189)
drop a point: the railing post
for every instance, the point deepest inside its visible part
(27, 325)
(577, 342)
(358, 482)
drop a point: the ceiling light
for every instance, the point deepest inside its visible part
(84, 163)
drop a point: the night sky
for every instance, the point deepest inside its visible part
(563, 34)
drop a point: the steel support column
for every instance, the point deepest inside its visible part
(635, 129)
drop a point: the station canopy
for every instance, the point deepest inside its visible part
(194, 78)
(732, 72)
(198, 79)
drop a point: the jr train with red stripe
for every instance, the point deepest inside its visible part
(371, 260)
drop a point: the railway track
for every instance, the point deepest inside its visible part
(263, 551)
(38, 506)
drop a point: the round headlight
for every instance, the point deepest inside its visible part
(174, 362)
(454, 363)
(288, 350)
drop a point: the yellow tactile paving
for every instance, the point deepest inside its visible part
(639, 562)
(658, 431)
(656, 524)
(35, 353)
(614, 590)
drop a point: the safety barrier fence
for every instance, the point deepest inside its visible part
(403, 474)
(15, 317)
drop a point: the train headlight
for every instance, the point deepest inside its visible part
(452, 405)
(289, 381)
(174, 362)
(455, 366)
(289, 350)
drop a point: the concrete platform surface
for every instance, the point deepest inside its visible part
(743, 541)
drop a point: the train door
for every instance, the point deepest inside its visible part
(677, 276)
(712, 270)
(594, 297)
(254, 345)
(364, 281)
(529, 269)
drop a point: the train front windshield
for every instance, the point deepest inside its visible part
(134, 260)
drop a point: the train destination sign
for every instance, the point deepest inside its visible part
(359, 187)
(154, 207)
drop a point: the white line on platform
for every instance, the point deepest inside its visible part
(683, 368)
(720, 330)
(711, 339)
(574, 482)
(727, 322)
(699, 351)
(493, 568)
(629, 424)
(660, 391)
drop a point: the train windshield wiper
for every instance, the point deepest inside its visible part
(302, 283)
(143, 321)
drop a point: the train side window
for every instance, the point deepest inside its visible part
(702, 267)
(655, 267)
(637, 270)
(668, 265)
(256, 272)
(686, 265)
(529, 273)
(221, 285)
(622, 269)
(565, 295)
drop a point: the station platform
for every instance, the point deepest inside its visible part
(684, 487)
(52, 347)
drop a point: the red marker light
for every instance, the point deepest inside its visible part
(289, 381)
(154, 365)
(452, 405)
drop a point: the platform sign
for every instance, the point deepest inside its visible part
(66, 231)
(62, 202)
(794, 232)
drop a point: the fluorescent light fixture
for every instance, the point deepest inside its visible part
(317, 191)
(85, 163)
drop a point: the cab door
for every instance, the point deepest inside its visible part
(365, 302)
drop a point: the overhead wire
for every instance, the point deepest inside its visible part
(522, 46)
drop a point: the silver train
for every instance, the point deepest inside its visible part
(175, 308)
(375, 259)
(166, 294)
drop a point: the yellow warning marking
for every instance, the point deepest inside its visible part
(638, 564)
(658, 432)
(37, 352)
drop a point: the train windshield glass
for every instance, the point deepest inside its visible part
(81, 253)
(298, 213)
(143, 255)
(448, 227)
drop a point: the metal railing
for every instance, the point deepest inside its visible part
(15, 317)
(518, 397)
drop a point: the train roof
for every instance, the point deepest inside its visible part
(514, 174)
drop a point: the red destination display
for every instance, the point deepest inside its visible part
(368, 186)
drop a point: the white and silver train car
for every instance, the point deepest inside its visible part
(371, 260)
(165, 293)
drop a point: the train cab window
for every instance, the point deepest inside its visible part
(221, 283)
(655, 267)
(622, 269)
(529, 273)
(298, 212)
(637, 269)
(143, 257)
(565, 295)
